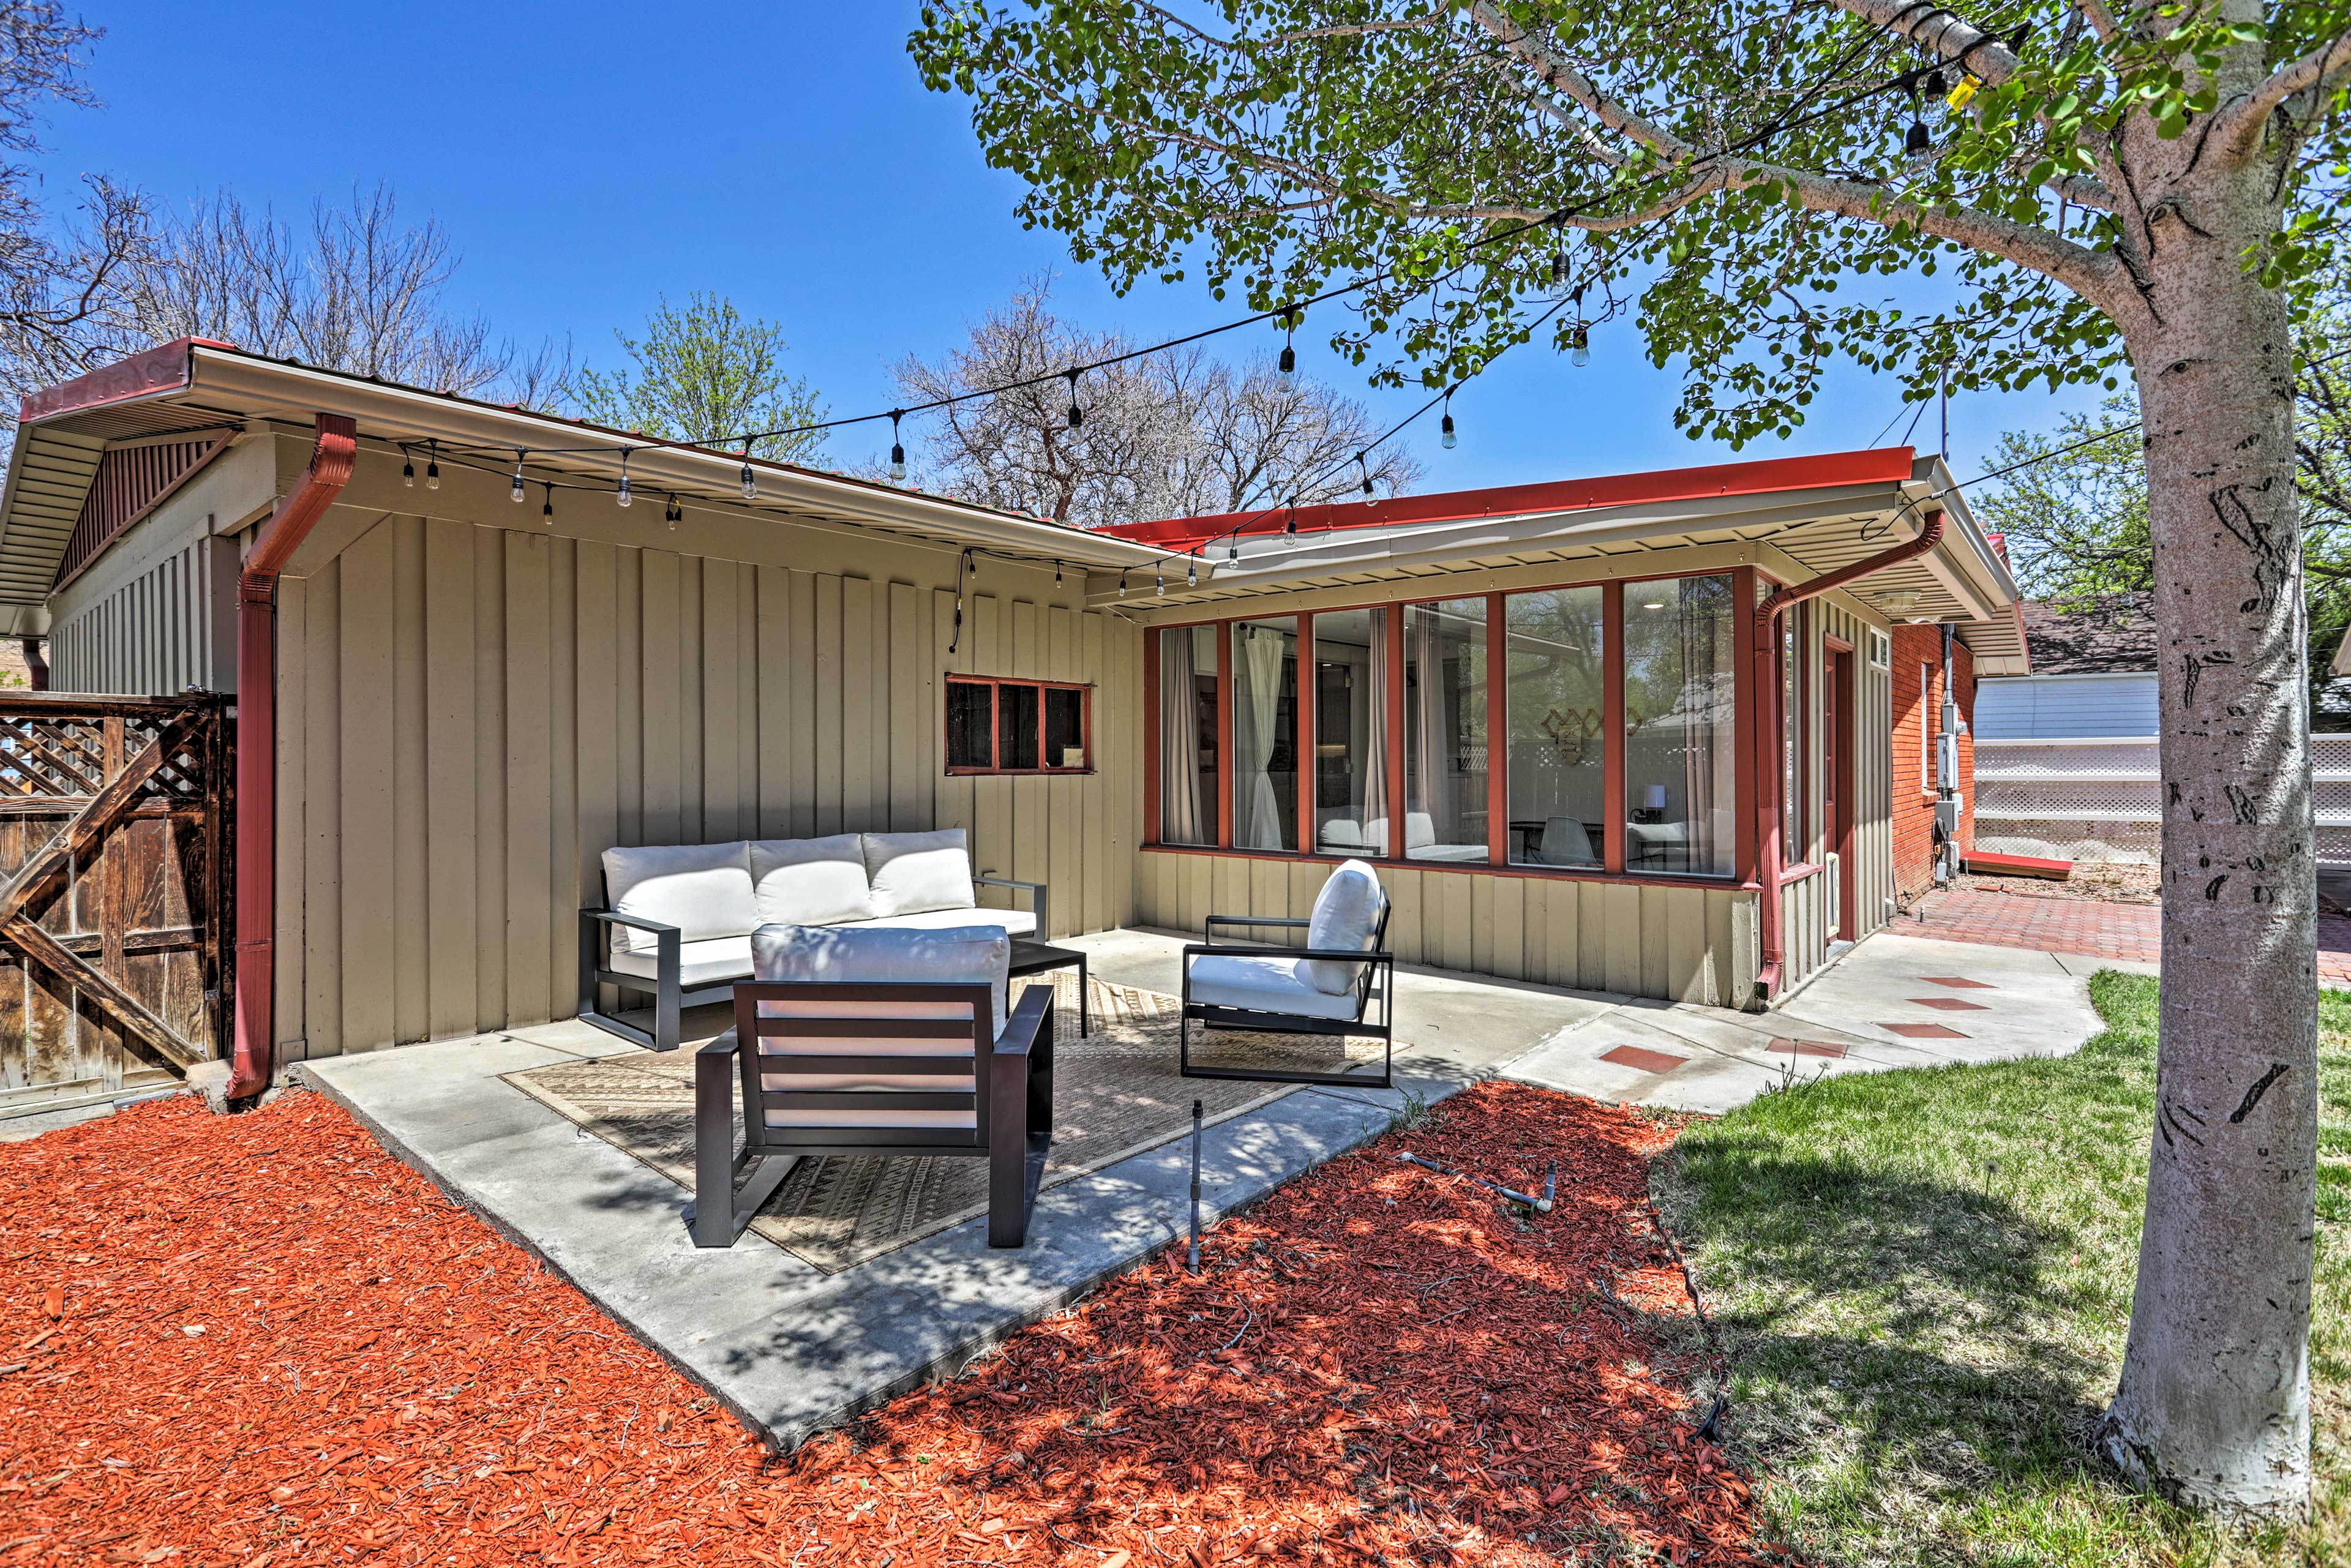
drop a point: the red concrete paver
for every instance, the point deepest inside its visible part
(1947, 1004)
(2057, 921)
(1807, 1048)
(1956, 983)
(1643, 1060)
(1922, 1031)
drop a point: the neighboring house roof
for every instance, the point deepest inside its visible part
(194, 390)
(2110, 636)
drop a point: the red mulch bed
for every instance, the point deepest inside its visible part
(263, 1341)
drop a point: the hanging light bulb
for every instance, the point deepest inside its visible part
(516, 492)
(432, 468)
(1580, 342)
(1558, 268)
(1057, 574)
(621, 494)
(1445, 429)
(547, 509)
(1290, 526)
(1077, 415)
(1191, 574)
(750, 480)
(1159, 580)
(1122, 582)
(897, 452)
(407, 469)
(1918, 146)
(1366, 469)
(672, 514)
(1233, 550)
(1288, 361)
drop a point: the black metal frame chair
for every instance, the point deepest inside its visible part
(1377, 981)
(670, 997)
(1011, 1097)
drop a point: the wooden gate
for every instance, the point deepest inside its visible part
(115, 924)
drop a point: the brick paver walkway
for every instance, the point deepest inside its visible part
(2091, 927)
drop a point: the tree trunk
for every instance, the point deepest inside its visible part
(2213, 1407)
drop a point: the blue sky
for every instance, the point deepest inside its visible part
(587, 157)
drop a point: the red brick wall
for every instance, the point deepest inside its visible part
(1914, 786)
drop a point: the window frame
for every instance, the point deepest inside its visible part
(995, 683)
(1496, 863)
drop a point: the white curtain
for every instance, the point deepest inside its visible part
(1375, 743)
(1256, 807)
(1430, 786)
(1181, 813)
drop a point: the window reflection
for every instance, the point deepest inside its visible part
(1265, 732)
(1558, 711)
(1445, 680)
(1350, 727)
(1188, 735)
(1680, 741)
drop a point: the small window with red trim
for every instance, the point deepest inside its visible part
(1019, 727)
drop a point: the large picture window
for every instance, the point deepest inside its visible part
(1351, 731)
(1445, 682)
(1017, 727)
(1558, 725)
(1680, 735)
(1188, 735)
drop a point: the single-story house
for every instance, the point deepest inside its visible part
(2092, 673)
(1631, 733)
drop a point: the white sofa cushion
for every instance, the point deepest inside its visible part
(1343, 834)
(810, 881)
(704, 890)
(1014, 922)
(880, 955)
(1264, 984)
(912, 873)
(716, 961)
(1346, 914)
(1466, 853)
(1419, 831)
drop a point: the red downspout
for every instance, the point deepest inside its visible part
(1768, 761)
(256, 745)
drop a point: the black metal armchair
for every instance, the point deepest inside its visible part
(1269, 993)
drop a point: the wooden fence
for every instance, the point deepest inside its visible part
(115, 919)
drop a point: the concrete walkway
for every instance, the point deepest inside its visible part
(1893, 1001)
(792, 1351)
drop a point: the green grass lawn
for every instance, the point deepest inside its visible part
(1924, 1281)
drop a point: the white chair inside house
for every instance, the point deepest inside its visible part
(1565, 841)
(1339, 981)
(862, 1040)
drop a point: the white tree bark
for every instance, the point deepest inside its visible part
(2213, 1409)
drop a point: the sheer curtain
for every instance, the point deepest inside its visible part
(1375, 774)
(1182, 813)
(1257, 810)
(1701, 622)
(1431, 784)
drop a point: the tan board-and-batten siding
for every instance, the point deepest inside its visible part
(471, 715)
(1692, 944)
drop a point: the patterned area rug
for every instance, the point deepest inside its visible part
(1115, 1094)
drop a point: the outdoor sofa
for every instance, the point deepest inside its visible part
(1340, 834)
(677, 919)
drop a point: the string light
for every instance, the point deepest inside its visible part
(1580, 339)
(431, 466)
(1077, 415)
(1192, 574)
(1445, 429)
(1558, 266)
(1233, 550)
(1122, 582)
(1289, 525)
(897, 452)
(1361, 462)
(1288, 361)
(516, 494)
(547, 509)
(621, 495)
(1057, 574)
(750, 480)
(1159, 578)
(672, 514)
(407, 469)
(1916, 145)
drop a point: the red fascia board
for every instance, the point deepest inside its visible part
(1885, 464)
(167, 367)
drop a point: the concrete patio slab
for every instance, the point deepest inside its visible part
(792, 1351)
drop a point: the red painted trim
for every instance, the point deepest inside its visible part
(1225, 735)
(995, 702)
(1612, 739)
(1303, 712)
(1466, 868)
(1152, 784)
(167, 367)
(1890, 465)
(331, 457)
(1497, 737)
(1844, 693)
(1801, 871)
(1742, 714)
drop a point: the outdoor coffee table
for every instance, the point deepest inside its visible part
(1035, 957)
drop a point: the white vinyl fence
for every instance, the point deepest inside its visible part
(2097, 798)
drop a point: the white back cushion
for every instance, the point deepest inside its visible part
(704, 890)
(911, 872)
(884, 956)
(810, 881)
(1420, 831)
(1343, 834)
(1346, 914)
